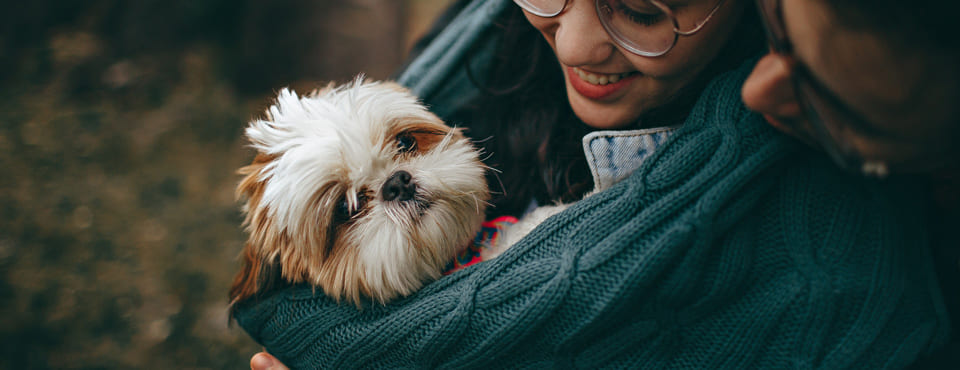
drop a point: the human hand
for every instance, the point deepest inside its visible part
(264, 361)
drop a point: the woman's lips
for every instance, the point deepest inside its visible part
(598, 86)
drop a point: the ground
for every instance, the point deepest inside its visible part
(120, 132)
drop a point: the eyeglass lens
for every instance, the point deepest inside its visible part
(542, 8)
(821, 113)
(643, 27)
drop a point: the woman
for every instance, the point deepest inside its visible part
(528, 97)
(728, 247)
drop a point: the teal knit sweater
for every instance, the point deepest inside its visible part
(729, 248)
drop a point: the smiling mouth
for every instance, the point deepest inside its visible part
(601, 78)
(599, 86)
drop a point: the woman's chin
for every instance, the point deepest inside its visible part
(602, 116)
(608, 114)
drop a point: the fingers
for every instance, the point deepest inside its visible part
(264, 361)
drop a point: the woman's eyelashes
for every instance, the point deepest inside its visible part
(645, 18)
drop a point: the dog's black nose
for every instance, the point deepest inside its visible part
(399, 187)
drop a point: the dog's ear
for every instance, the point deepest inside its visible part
(257, 277)
(251, 187)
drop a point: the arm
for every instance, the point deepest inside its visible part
(703, 255)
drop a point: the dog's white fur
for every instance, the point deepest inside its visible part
(512, 234)
(334, 150)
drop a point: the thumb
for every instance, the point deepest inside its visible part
(264, 361)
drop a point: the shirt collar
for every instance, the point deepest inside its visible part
(614, 155)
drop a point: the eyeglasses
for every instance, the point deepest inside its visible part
(644, 27)
(829, 117)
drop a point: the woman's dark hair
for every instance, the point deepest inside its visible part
(525, 126)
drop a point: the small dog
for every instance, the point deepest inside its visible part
(358, 190)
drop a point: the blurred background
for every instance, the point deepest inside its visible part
(120, 133)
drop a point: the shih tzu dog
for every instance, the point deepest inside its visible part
(358, 190)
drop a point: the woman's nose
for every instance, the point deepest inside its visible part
(580, 38)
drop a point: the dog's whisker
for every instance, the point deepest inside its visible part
(488, 168)
(486, 139)
(487, 156)
(476, 203)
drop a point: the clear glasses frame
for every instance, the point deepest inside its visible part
(623, 39)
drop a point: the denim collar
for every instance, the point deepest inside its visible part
(614, 155)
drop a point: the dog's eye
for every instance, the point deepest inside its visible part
(361, 201)
(343, 211)
(406, 142)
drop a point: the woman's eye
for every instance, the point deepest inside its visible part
(406, 142)
(640, 17)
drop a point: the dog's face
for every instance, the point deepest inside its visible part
(358, 190)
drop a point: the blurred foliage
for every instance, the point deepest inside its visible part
(120, 132)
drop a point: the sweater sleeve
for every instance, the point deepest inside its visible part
(726, 249)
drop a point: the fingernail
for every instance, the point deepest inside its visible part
(261, 361)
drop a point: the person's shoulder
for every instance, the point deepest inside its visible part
(849, 225)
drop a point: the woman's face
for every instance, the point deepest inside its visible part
(905, 98)
(588, 54)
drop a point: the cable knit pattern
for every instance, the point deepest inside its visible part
(730, 247)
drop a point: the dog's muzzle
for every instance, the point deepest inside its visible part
(399, 187)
